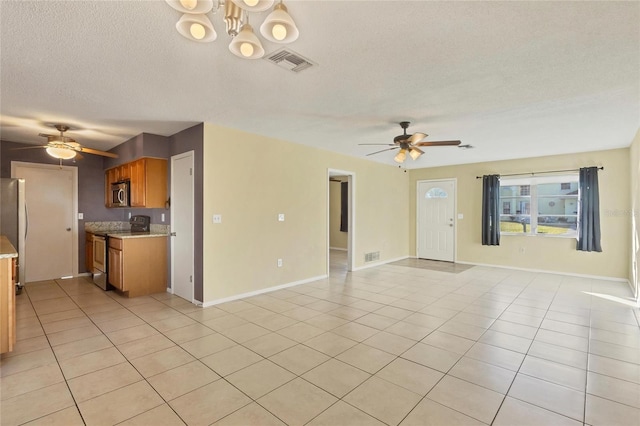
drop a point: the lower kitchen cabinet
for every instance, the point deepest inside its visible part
(7, 296)
(88, 252)
(138, 266)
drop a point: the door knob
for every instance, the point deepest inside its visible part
(451, 225)
(68, 229)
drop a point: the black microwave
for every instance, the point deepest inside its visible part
(120, 194)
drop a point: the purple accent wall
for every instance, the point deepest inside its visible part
(91, 182)
(90, 185)
(192, 139)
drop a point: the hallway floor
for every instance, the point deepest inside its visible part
(386, 345)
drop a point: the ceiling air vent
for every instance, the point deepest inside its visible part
(289, 60)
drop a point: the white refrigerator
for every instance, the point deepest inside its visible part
(14, 221)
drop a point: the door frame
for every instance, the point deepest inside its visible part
(455, 213)
(351, 221)
(172, 193)
(74, 203)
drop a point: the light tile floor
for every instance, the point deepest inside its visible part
(387, 345)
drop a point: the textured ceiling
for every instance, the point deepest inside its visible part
(513, 79)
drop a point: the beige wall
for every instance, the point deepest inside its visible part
(634, 214)
(250, 185)
(540, 253)
(337, 238)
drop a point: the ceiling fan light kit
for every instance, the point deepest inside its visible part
(194, 25)
(409, 143)
(63, 147)
(60, 152)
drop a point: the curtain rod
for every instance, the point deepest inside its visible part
(538, 173)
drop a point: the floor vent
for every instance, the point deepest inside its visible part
(372, 257)
(290, 60)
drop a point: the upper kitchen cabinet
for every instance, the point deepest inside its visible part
(147, 179)
(149, 183)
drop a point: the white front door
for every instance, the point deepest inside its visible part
(182, 225)
(436, 220)
(50, 193)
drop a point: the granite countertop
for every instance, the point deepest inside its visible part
(7, 250)
(123, 235)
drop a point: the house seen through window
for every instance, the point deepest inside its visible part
(545, 205)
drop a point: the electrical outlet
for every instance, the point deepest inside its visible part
(279, 263)
(129, 215)
(217, 218)
(80, 216)
(162, 217)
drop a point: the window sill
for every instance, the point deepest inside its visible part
(513, 234)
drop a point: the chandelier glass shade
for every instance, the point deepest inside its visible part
(278, 27)
(196, 28)
(246, 44)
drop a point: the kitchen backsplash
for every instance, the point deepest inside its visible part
(121, 226)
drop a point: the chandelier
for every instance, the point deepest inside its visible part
(194, 24)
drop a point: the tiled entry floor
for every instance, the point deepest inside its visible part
(387, 345)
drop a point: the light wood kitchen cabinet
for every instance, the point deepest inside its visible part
(115, 265)
(88, 251)
(147, 182)
(7, 296)
(138, 266)
(110, 176)
(124, 172)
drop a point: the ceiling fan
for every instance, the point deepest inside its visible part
(409, 143)
(66, 148)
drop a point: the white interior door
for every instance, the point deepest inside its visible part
(50, 193)
(436, 220)
(182, 225)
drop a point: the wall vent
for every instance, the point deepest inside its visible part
(372, 257)
(290, 60)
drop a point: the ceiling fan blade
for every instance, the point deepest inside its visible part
(388, 149)
(439, 143)
(383, 144)
(96, 152)
(416, 137)
(44, 135)
(29, 147)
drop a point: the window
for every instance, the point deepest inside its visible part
(436, 193)
(539, 205)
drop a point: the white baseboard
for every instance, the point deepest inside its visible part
(633, 290)
(544, 271)
(337, 248)
(262, 291)
(382, 262)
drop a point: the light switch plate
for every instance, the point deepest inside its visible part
(281, 217)
(460, 216)
(80, 216)
(217, 218)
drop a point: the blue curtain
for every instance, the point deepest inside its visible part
(491, 210)
(589, 211)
